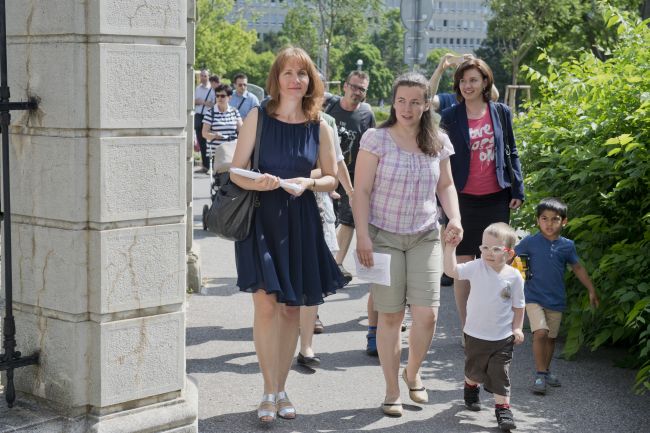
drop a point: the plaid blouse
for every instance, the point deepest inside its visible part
(403, 198)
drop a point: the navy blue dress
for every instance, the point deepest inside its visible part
(285, 253)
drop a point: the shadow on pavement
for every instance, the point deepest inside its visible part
(224, 363)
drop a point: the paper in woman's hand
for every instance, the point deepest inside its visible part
(379, 273)
(254, 175)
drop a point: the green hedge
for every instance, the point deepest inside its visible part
(586, 142)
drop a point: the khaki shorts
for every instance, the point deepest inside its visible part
(415, 270)
(488, 362)
(542, 318)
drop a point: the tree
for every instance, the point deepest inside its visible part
(270, 42)
(518, 26)
(340, 18)
(380, 76)
(518, 29)
(390, 41)
(299, 31)
(586, 141)
(221, 46)
(257, 68)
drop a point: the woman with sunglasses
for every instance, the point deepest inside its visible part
(222, 122)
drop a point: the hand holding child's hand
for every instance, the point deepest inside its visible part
(451, 239)
(519, 336)
(453, 233)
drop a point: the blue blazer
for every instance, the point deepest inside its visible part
(454, 122)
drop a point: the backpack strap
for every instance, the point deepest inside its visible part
(330, 103)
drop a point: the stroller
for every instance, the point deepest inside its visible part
(220, 161)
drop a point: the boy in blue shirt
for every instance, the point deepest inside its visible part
(548, 255)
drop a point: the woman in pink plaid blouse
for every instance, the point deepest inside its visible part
(400, 168)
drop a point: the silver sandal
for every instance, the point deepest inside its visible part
(286, 410)
(267, 408)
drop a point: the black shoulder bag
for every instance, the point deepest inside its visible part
(233, 208)
(506, 144)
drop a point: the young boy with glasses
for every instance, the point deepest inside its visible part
(548, 255)
(495, 316)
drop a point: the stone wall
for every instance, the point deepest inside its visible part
(101, 203)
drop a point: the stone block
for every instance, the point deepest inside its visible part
(136, 86)
(50, 267)
(189, 181)
(56, 74)
(46, 17)
(49, 177)
(162, 18)
(136, 177)
(62, 373)
(191, 11)
(189, 139)
(190, 42)
(136, 268)
(189, 89)
(189, 227)
(137, 358)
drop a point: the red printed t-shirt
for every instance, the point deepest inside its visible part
(482, 179)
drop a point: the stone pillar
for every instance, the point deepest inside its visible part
(101, 210)
(193, 252)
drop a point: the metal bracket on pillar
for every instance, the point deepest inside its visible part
(10, 359)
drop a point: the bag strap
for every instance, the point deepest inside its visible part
(206, 99)
(258, 136)
(506, 142)
(243, 99)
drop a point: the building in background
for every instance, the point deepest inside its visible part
(264, 16)
(458, 25)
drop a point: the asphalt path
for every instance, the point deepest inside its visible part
(344, 394)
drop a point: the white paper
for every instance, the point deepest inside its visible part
(254, 175)
(379, 273)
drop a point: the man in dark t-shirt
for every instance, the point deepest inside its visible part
(353, 118)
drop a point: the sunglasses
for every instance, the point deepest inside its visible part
(221, 96)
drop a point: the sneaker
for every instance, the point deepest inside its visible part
(472, 400)
(346, 275)
(539, 386)
(552, 380)
(371, 348)
(505, 419)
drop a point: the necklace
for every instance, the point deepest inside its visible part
(476, 114)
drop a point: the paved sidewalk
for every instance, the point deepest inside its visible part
(345, 393)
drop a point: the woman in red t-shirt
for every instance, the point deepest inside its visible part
(486, 192)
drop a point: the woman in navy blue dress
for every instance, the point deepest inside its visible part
(285, 262)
